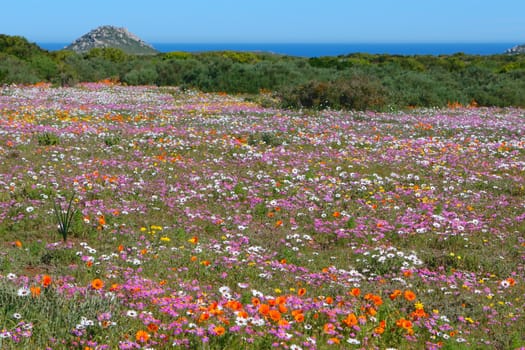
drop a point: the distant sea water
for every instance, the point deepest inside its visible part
(318, 50)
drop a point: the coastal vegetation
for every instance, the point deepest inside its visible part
(355, 81)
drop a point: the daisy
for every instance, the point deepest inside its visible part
(23, 292)
(131, 313)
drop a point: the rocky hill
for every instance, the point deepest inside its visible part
(110, 36)
(516, 49)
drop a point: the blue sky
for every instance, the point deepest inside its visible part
(271, 21)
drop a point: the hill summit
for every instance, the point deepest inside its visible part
(516, 49)
(114, 37)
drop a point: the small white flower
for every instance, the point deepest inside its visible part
(131, 313)
(30, 209)
(17, 316)
(505, 284)
(23, 292)
(11, 276)
(353, 341)
(241, 322)
(224, 289)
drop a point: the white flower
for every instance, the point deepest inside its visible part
(353, 341)
(5, 335)
(131, 313)
(224, 290)
(23, 292)
(257, 294)
(11, 276)
(17, 316)
(241, 322)
(30, 209)
(295, 347)
(505, 284)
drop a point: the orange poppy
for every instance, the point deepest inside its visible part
(35, 291)
(355, 292)
(219, 330)
(334, 340)
(395, 294)
(301, 292)
(142, 336)
(275, 315)
(328, 328)
(409, 295)
(97, 284)
(264, 309)
(350, 320)
(46, 280)
(299, 317)
(152, 327)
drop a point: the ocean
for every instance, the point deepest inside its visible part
(318, 50)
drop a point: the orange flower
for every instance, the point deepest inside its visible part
(355, 292)
(301, 292)
(407, 273)
(283, 309)
(404, 323)
(379, 330)
(204, 317)
(97, 284)
(264, 309)
(142, 336)
(336, 214)
(350, 320)
(18, 244)
(101, 220)
(46, 281)
(334, 340)
(409, 295)
(275, 315)
(328, 328)
(511, 281)
(35, 291)
(152, 327)
(329, 300)
(299, 317)
(278, 223)
(371, 311)
(376, 299)
(219, 330)
(395, 294)
(194, 240)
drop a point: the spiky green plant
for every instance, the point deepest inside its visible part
(64, 217)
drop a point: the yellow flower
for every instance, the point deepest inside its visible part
(165, 239)
(419, 305)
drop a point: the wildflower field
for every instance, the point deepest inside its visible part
(156, 218)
